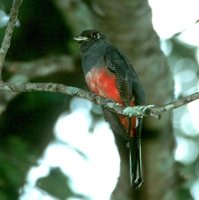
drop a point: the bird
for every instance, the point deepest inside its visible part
(110, 74)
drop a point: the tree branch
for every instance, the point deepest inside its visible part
(138, 111)
(8, 34)
(155, 111)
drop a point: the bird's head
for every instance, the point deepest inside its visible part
(89, 35)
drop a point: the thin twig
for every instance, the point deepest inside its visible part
(138, 111)
(175, 104)
(72, 91)
(8, 34)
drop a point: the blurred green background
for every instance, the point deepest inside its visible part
(42, 50)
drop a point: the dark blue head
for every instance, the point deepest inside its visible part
(93, 45)
(90, 38)
(90, 35)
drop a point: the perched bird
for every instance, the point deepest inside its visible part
(109, 74)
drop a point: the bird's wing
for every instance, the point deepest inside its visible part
(127, 80)
(130, 88)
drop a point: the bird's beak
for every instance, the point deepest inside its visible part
(80, 38)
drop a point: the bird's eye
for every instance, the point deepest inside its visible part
(95, 35)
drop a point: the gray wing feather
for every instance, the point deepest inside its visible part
(128, 82)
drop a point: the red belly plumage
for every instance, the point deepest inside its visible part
(103, 83)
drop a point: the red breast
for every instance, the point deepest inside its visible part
(103, 83)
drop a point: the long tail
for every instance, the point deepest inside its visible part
(135, 158)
